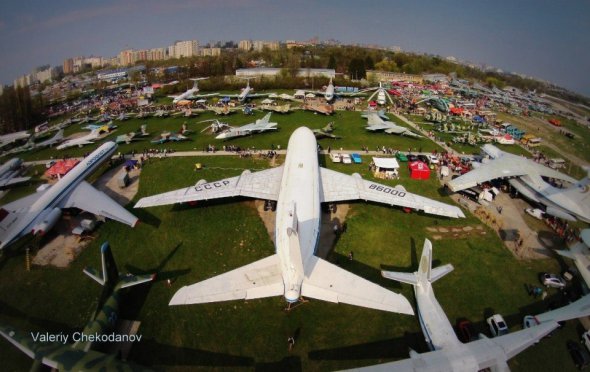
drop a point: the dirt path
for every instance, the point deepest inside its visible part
(65, 246)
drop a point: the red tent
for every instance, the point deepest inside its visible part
(372, 103)
(419, 170)
(60, 168)
(456, 110)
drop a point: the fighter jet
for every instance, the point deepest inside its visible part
(298, 186)
(9, 173)
(10, 138)
(375, 123)
(527, 177)
(259, 126)
(79, 356)
(39, 212)
(81, 141)
(326, 132)
(31, 144)
(133, 136)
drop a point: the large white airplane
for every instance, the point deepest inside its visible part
(376, 123)
(298, 186)
(448, 353)
(81, 141)
(39, 212)
(9, 172)
(259, 126)
(580, 254)
(191, 94)
(526, 177)
(245, 93)
(330, 94)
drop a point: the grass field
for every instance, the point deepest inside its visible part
(194, 243)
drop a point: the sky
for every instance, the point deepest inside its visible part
(549, 40)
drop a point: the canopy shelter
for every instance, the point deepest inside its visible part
(419, 170)
(60, 168)
(267, 101)
(385, 168)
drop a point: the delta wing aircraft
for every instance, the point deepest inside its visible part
(191, 94)
(10, 138)
(448, 353)
(79, 356)
(259, 126)
(527, 177)
(9, 172)
(330, 94)
(326, 132)
(375, 123)
(246, 94)
(31, 144)
(298, 186)
(39, 212)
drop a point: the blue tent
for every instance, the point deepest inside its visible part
(225, 99)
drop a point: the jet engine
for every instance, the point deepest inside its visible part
(47, 220)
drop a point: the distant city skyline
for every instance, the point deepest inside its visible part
(547, 40)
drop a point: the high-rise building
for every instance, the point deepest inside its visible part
(156, 54)
(23, 81)
(68, 66)
(186, 48)
(44, 75)
(245, 45)
(210, 52)
(258, 45)
(127, 57)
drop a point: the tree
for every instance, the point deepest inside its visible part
(332, 62)
(356, 69)
(369, 64)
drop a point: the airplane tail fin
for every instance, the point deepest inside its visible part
(425, 273)
(109, 277)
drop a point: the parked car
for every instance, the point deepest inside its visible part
(579, 355)
(535, 212)
(423, 158)
(412, 157)
(401, 157)
(467, 331)
(433, 159)
(497, 325)
(356, 158)
(552, 280)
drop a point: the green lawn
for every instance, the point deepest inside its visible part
(199, 242)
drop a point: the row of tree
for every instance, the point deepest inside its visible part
(19, 111)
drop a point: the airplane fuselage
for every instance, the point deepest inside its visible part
(329, 95)
(244, 94)
(186, 95)
(435, 325)
(298, 210)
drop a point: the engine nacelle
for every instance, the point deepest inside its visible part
(48, 220)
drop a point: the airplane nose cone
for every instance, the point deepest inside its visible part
(292, 296)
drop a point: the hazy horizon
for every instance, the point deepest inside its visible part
(546, 40)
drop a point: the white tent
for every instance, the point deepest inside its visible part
(299, 94)
(386, 163)
(267, 101)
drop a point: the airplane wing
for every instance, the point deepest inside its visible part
(258, 95)
(331, 283)
(262, 185)
(88, 198)
(259, 279)
(337, 186)
(13, 181)
(475, 356)
(498, 168)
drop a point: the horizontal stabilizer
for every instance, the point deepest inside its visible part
(408, 278)
(331, 283)
(131, 280)
(439, 272)
(565, 253)
(257, 280)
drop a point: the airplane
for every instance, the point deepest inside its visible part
(133, 136)
(298, 186)
(81, 141)
(375, 123)
(9, 172)
(382, 95)
(580, 254)
(216, 126)
(31, 144)
(191, 94)
(326, 132)
(330, 94)
(172, 137)
(39, 212)
(325, 109)
(447, 352)
(526, 176)
(259, 126)
(107, 127)
(382, 114)
(161, 114)
(245, 93)
(223, 110)
(10, 138)
(281, 109)
(80, 355)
